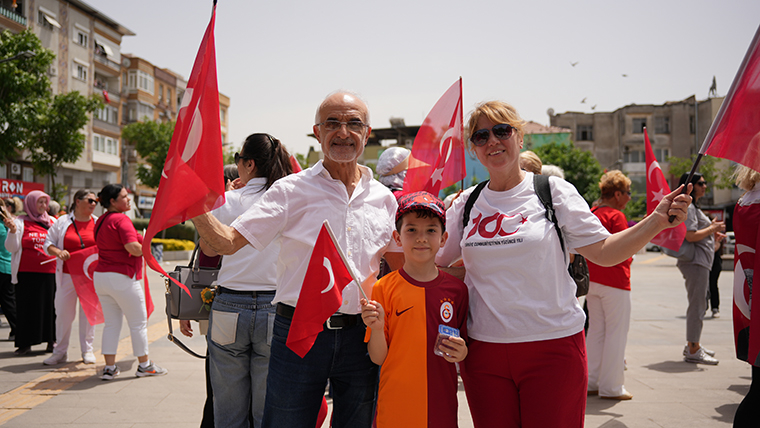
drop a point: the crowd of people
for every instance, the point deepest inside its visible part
(444, 306)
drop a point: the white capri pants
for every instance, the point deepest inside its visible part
(65, 312)
(122, 296)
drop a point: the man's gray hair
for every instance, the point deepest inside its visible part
(317, 118)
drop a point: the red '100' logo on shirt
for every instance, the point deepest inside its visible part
(503, 225)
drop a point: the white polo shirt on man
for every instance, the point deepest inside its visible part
(293, 210)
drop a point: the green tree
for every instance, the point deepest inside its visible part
(301, 158)
(708, 167)
(581, 167)
(151, 140)
(24, 89)
(56, 136)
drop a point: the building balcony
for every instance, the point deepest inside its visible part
(107, 62)
(100, 87)
(13, 16)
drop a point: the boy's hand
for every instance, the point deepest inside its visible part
(373, 314)
(455, 347)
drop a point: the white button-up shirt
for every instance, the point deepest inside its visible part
(293, 210)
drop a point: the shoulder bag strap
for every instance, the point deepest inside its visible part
(544, 192)
(470, 202)
(74, 222)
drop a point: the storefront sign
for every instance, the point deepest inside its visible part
(11, 188)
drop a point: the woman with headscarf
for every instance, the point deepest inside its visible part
(33, 274)
(72, 232)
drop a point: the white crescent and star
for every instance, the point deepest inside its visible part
(331, 283)
(196, 128)
(86, 265)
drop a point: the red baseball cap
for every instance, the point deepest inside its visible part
(421, 200)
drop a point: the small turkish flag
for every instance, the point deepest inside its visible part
(657, 188)
(295, 165)
(321, 293)
(81, 266)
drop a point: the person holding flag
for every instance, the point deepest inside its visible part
(72, 232)
(293, 210)
(746, 330)
(525, 328)
(117, 282)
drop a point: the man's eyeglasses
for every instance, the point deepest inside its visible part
(351, 125)
(702, 183)
(501, 131)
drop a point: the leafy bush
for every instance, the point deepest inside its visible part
(175, 244)
(184, 231)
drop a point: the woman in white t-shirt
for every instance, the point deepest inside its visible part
(242, 314)
(527, 362)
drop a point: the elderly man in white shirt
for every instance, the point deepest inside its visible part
(361, 211)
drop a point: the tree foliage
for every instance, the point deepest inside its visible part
(581, 167)
(708, 167)
(56, 136)
(24, 89)
(151, 140)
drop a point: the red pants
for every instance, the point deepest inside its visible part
(531, 384)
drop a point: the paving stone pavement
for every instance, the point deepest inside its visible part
(667, 391)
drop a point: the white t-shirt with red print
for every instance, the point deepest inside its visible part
(520, 290)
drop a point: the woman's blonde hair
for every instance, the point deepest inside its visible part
(497, 112)
(746, 178)
(530, 162)
(613, 181)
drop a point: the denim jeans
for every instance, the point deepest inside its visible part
(295, 386)
(239, 338)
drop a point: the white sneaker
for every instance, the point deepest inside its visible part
(709, 352)
(152, 370)
(700, 357)
(55, 359)
(716, 313)
(89, 358)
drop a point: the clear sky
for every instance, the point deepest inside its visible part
(277, 60)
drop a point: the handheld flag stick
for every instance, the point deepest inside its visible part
(48, 261)
(688, 179)
(343, 257)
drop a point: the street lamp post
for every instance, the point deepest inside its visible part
(20, 55)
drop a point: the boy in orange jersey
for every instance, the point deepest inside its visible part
(409, 310)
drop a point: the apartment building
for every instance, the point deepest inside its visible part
(87, 46)
(616, 139)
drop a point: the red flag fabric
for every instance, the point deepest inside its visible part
(735, 133)
(148, 298)
(657, 188)
(746, 261)
(106, 97)
(81, 267)
(437, 159)
(321, 293)
(295, 165)
(192, 181)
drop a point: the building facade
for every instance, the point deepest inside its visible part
(616, 138)
(87, 46)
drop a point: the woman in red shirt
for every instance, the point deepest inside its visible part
(72, 232)
(117, 282)
(609, 299)
(33, 274)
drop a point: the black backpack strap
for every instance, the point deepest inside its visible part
(470, 202)
(544, 192)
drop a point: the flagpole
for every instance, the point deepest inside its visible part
(343, 257)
